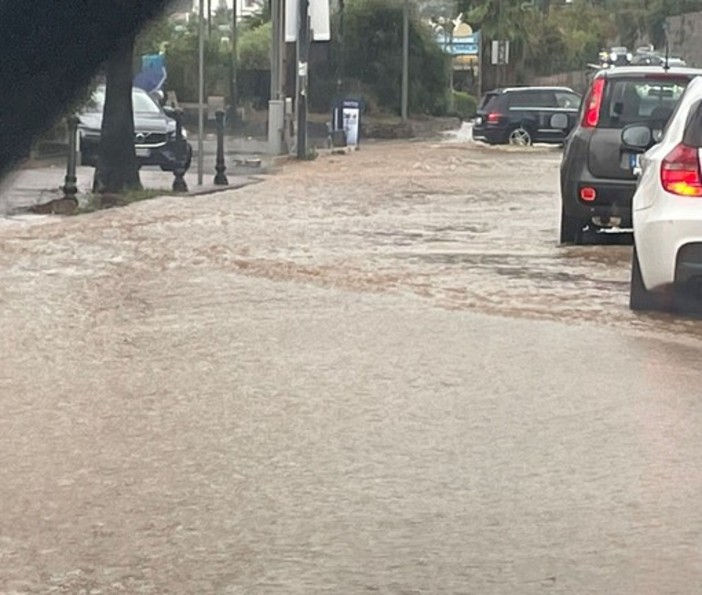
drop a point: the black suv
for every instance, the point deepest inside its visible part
(525, 115)
(598, 175)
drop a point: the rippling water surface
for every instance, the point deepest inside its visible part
(294, 388)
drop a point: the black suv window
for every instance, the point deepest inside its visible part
(567, 100)
(530, 99)
(640, 100)
(489, 100)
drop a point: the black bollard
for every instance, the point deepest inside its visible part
(179, 184)
(70, 187)
(220, 178)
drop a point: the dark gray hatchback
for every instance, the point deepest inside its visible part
(598, 175)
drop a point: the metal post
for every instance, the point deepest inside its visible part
(276, 105)
(220, 167)
(452, 63)
(275, 48)
(201, 95)
(282, 54)
(209, 18)
(70, 188)
(405, 61)
(233, 87)
(303, 46)
(179, 184)
(480, 65)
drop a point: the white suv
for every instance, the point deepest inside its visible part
(667, 209)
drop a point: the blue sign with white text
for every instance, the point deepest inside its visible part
(468, 45)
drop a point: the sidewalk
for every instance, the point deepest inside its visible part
(41, 180)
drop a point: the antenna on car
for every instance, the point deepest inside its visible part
(666, 65)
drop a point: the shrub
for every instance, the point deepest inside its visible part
(464, 104)
(254, 47)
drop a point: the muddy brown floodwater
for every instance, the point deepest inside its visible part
(375, 372)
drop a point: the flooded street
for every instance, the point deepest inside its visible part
(374, 372)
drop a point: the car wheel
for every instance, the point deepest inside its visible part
(640, 298)
(520, 137)
(571, 230)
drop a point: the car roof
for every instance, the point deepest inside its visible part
(103, 87)
(634, 71)
(530, 88)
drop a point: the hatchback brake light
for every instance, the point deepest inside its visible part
(680, 172)
(593, 103)
(493, 117)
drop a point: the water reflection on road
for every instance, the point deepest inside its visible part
(293, 388)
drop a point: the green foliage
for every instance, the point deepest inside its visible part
(636, 18)
(181, 61)
(372, 54)
(255, 48)
(464, 104)
(566, 39)
(180, 44)
(548, 36)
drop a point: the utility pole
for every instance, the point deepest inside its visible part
(303, 48)
(275, 47)
(209, 18)
(405, 61)
(276, 104)
(480, 63)
(452, 26)
(201, 94)
(233, 88)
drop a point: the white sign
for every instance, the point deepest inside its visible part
(500, 53)
(319, 20)
(351, 116)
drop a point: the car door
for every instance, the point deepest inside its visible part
(568, 103)
(525, 107)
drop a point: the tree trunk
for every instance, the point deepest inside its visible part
(50, 51)
(117, 169)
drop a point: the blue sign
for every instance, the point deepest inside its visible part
(153, 73)
(468, 45)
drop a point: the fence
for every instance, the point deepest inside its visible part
(575, 79)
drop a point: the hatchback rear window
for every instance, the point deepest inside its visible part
(645, 100)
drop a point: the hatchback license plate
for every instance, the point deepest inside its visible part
(143, 152)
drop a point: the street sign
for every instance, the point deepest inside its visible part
(465, 45)
(499, 56)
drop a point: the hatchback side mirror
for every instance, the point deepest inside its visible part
(638, 137)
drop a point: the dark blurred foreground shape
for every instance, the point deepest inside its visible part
(50, 49)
